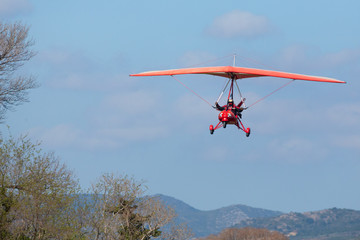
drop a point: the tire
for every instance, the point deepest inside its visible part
(211, 128)
(247, 132)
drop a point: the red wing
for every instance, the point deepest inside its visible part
(238, 73)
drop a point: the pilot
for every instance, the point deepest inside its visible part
(218, 107)
(236, 109)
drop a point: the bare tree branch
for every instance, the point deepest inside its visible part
(120, 211)
(15, 50)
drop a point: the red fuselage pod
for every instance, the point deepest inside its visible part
(227, 116)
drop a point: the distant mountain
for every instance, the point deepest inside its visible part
(329, 224)
(204, 223)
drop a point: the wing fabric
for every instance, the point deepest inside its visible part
(237, 73)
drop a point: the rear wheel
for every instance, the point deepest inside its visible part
(247, 132)
(211, 129)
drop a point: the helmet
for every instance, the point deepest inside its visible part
(230, 101)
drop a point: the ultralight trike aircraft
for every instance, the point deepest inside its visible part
(231, 112)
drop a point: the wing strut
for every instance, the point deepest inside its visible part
(261, 99)
(191, 90)
(241, 97)
(223, 91)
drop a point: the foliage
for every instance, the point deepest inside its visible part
(39, 199)
(39, 196)
(37, 192)
(247, 234)
(121, 211)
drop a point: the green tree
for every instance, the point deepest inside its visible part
(121, 211)
(247, 234)
(37, 193)
(39, 199)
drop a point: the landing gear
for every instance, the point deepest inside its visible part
(247, 131)
(211, 129)
(223, 124)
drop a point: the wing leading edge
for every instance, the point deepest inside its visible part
(237, 73)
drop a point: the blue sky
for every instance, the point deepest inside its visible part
(304, 151)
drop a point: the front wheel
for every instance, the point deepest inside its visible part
(224, 124)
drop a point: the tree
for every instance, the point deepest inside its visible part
(177, 231)
(121, 211)
(39, 199)
(247, 234)
(37, 193)
(14, 52)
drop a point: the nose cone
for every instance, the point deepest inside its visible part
(223, 116)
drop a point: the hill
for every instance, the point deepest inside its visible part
(329, 224)
(204, 223)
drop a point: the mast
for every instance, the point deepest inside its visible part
(231, 89)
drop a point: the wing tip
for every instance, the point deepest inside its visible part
(338, 81)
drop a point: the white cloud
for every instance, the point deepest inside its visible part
(127, 117)
(345, 114)
(292, 57)
(10, 8)
(217, 154)
(298, 149)
(135, 133)
(239, 24)
(91, 81)
(128, 106)
(193, 58)
(129, 113)
(301, 57)
(306, 133)
(55, 56)
(278, 116)
(74, 70)
(347, 141)
(344, 119)
(119, 118)
(191, 106)
(342, 57)
(68, 136)
(61, 135)
(192, 114)
(133, 102)
(102, 137)
(120, 111)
